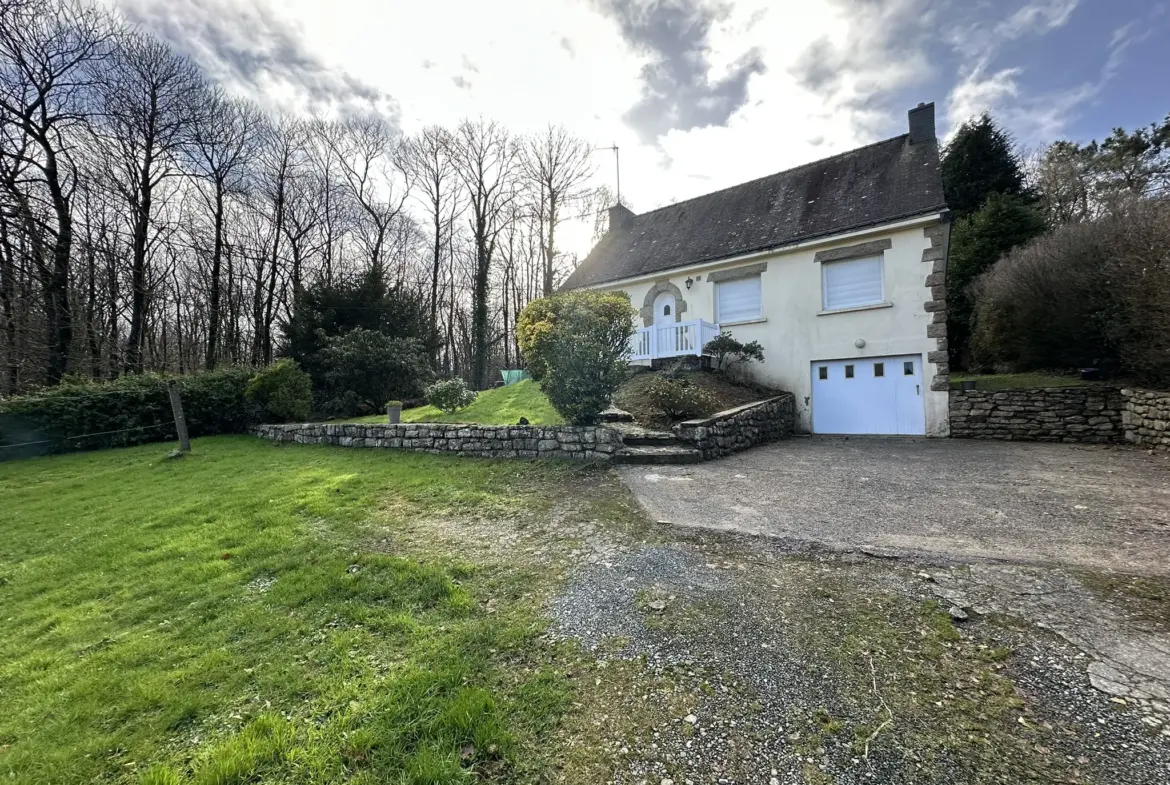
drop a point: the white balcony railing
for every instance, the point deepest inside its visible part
(671, 340)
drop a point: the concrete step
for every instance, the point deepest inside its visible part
(657, 455)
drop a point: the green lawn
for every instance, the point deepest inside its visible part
(1013, 381)
(229, 618)
(498, 406)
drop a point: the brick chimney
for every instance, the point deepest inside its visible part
(921, 125)
(620, 217)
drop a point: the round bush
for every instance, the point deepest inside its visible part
(450, 395)
(283, 391)
(577, 345)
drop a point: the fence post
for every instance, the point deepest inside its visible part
(180, 420)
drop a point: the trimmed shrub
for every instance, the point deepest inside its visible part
(729, 353)
(450, 395)
(577, 345)
(536, 324)
(365, 368)
(81, 414)
(283, 391)
(678, 399)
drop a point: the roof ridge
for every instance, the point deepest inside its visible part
(773, 174)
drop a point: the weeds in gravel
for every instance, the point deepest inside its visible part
(1145, 598)
(917, 688)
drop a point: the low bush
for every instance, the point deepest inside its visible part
(678, 399)
(365, 368)
(577, 345)
(450, 395)
(81, 414)
(729, 353)
(283, 391)
(1090, 294)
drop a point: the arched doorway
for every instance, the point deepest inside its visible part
(654, 305)
(665, 306)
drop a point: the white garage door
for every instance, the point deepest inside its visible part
(878, 395)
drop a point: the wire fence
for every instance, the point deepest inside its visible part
(62, 439)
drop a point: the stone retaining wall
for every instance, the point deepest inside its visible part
(1146, 418)
(738, 429)
(485, 441)
(1042, 414)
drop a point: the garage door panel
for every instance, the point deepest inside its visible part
(870, 395)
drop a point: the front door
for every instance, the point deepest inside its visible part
(874, 395)
(664, 309)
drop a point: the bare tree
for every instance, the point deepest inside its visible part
(224, 141)
(47, 48)
(557, 166)
(281, 161)
(429, 158)
(488, 163)
(149, 100)
(371, 161)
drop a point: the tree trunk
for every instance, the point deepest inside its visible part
(479, 313)
(138, 267)
(7, 299)
(91, 331)
(59, 313)
(213, 294)
(550, 248)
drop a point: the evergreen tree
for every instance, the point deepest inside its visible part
(984, 186)
(327, 311)
(978, 241)
(977, 163)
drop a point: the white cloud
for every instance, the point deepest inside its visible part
(748, 88)
(979, 92)
(1037, 118)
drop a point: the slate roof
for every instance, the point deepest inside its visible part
(879, 183)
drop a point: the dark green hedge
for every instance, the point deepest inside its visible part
(80, 414)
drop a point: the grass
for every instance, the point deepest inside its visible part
(1015, 381)
(223, 619)
(498, 406)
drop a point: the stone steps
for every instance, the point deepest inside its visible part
(657, 455)
(652, 439)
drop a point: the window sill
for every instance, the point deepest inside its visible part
(870, 307)
(757, 320)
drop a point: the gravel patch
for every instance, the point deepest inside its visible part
(755, 696)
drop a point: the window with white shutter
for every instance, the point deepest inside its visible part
(852, 283)
(738, 300)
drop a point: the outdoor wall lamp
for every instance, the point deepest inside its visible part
(689, 282)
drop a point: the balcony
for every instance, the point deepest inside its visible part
(681, 339)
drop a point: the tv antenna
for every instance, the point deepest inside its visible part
(617, 165)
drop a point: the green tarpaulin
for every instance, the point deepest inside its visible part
(511, 377)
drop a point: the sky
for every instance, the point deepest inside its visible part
(697, 94)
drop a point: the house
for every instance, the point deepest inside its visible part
(836, 267)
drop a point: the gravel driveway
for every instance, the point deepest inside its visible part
(1071, 505)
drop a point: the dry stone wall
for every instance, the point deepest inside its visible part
(738, 429)
(485, 441)
(1042, 414)
(1146, 418)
